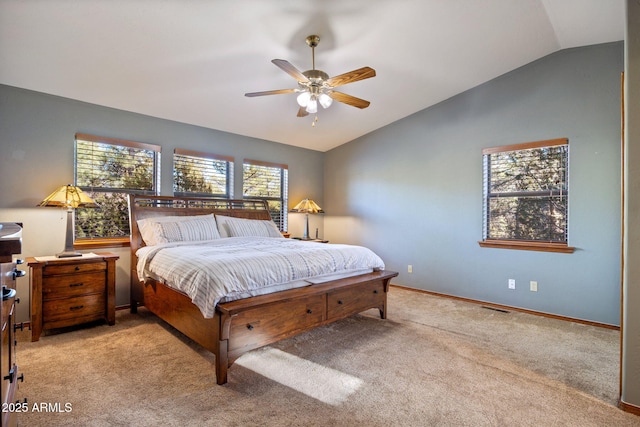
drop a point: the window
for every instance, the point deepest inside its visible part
(108, 169)
(202, 174)
(268, 181)
(525, 197)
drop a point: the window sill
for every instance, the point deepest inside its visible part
(528, 246)
(101, 243)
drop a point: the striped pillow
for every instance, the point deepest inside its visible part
(242, 227)
(185, 229)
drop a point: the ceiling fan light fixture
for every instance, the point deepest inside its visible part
(325, 100)
(312, 106)
(303, 99)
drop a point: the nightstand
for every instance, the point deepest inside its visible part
(71, 291)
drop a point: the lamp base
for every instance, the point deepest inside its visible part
(66, 254)
(69, 251)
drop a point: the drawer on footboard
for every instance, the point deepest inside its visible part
(355, 299)
(262, 325)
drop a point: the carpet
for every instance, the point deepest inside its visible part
(434, 362)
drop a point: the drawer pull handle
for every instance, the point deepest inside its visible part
(340, 301)
(75, 285)
(250, 327)
(77, 307)
(77, 268)
(11, 376)
(309, 311)
(16, 327)
(375, 291)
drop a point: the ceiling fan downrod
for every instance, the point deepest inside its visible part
(313, 41)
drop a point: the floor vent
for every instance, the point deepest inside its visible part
(495, 309)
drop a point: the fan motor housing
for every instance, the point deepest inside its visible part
(315, 75)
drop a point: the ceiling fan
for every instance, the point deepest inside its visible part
(316, 87)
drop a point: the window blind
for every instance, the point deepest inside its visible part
(197, 173)
(270, 182)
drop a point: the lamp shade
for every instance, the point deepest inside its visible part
(325, 100)
(303, 99)
(68, 197)
(312, 106)
(307, 206)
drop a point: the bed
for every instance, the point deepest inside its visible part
(241, 321)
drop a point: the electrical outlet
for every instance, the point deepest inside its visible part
(533, 286)
(512, 283)
(410, 268)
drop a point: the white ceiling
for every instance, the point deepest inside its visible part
(192, 60)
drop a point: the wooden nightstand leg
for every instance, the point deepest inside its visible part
(36, 303)
(111, 291)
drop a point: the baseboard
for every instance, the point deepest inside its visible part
(628, 407)
(510, 308)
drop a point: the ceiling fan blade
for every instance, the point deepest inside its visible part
(291, 70)
(269, 92)
(352, 76)
(302, 112)
(349, 100)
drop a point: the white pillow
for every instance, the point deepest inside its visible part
(221, 220)
(243, 227)
(165, 229)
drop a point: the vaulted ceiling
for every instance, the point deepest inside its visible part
(192, 61)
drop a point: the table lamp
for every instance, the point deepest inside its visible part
(69, 197)
(307, 206)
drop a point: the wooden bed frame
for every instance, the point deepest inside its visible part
(243, 325)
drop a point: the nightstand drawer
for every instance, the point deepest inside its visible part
(51, 270)
(71, 285)
(72, 311)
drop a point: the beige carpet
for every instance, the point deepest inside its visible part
(434, 362)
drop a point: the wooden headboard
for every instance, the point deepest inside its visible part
(141, 207)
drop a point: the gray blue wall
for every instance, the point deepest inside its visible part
(412, 190)
(37, 131)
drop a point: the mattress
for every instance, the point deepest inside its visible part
(227, 269)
